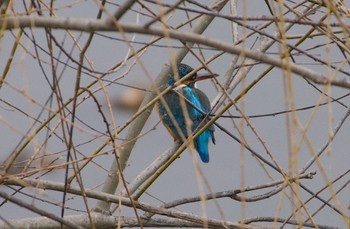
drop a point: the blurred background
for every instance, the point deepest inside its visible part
(27, 101)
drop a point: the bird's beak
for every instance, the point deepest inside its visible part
(204, 76)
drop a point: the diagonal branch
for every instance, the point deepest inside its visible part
(135, 128)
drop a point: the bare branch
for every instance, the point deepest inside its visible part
(136, 127)
(101, 220)
(100, 25)
(39, 211)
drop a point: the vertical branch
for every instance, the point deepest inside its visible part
(135, 128)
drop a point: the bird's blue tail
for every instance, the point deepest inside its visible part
(201, 144)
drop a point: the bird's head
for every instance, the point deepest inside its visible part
(183, 70)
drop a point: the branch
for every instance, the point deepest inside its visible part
(100, 220)
(89, 25)
(152, 168)
(53, 218)
(122, 10)
(135, 128)
(281, 220)
(26, 182)
(234, 194)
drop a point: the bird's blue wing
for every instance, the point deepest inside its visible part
(194, 100)
(201, 102)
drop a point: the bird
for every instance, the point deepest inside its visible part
(197, 107)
